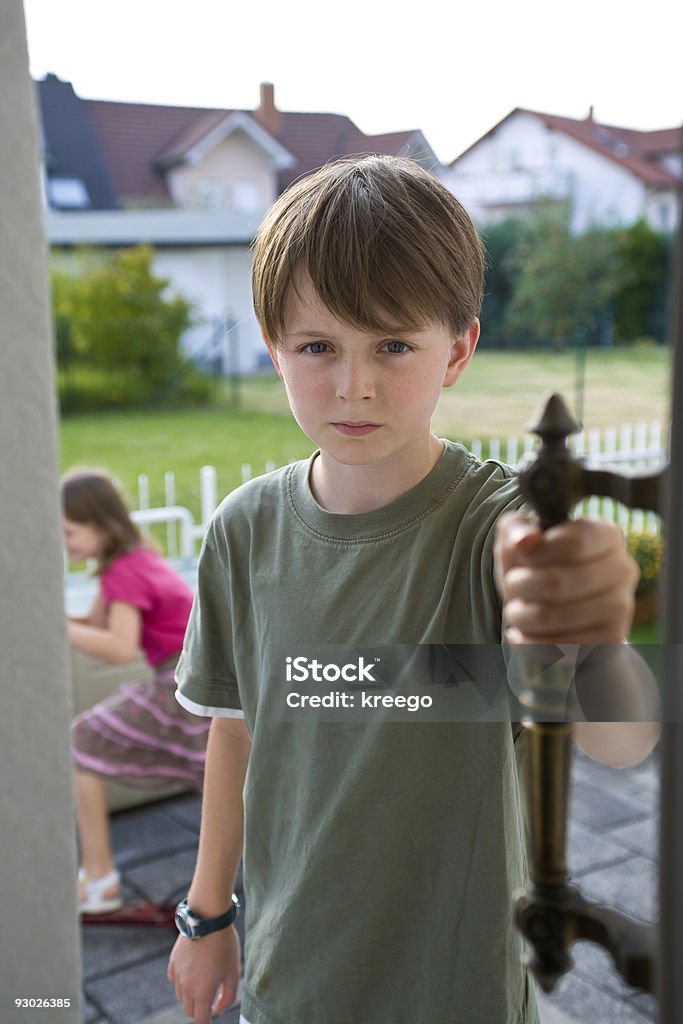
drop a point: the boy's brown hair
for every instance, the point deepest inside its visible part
(89, 496)
(385, 245)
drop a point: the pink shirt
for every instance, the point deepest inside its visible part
(144, 579)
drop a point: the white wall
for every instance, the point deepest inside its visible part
(39, 938)
(661, 210)
(603, 192)
(218, 280)
(673, 162)
(523, 159)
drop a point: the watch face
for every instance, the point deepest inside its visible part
(181, 920)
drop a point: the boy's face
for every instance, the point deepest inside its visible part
(363, 397)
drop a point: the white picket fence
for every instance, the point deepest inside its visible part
(632, 449)
(182, 531)
(629, 449)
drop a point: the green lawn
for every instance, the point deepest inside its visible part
(500, 392)
(495, 397)
(127, 444)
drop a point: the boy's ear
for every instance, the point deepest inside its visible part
(461, 353)
(272, 351)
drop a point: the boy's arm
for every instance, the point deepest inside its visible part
(201, 967)
(621, 680)
(575, 584)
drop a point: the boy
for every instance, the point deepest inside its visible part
(379, 858)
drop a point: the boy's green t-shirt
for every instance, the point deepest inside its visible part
(380, 858)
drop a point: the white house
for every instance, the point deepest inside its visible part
(206, 258)
(603, 174)
(193, 183)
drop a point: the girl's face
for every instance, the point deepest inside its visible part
(82, 540)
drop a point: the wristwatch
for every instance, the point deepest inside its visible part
(193, 927)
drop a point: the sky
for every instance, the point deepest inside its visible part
(452, 70)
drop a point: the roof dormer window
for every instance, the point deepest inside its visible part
(67, 194)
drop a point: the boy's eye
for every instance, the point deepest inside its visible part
(316, 347)
(396, 347)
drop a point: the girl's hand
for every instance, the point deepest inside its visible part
(572, 584)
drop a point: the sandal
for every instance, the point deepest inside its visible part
(92, 898)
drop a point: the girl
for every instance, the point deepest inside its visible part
(141, 736)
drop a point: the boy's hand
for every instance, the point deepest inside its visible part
(573, 584)
(206, 973)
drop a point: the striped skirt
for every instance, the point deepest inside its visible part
(141, 737)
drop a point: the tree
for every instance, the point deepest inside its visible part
(640, 303)
(502, 241)
(563, 281)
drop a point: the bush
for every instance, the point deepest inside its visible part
(647, 549)
(118, 330)
(86, 389)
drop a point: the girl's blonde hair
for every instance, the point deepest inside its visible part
(90, 496)
(385, 244)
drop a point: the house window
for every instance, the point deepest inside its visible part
(212, 195)
(67, 194)
(664, 216)
(246, 196)
(242, 195)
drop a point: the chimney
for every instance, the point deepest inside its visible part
(267, 114)
(591, 111)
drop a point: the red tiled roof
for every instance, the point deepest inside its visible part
(625, 146)
(137, 138)
(314, 139)
(664, 141)
(133, 135)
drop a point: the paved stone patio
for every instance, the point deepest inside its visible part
(612, 856)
